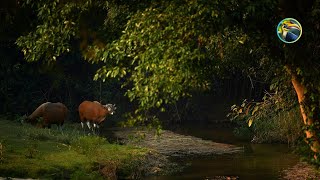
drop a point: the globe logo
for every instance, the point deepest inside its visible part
(289, 30)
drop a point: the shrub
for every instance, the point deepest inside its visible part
(66, 136)
(83, 175)
(285, 127)
(32, 151)
(275, 119)
(87, 144)
(131, 168)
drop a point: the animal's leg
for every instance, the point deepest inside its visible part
(94, 131)
(82, 125)
(60, 128)
(96, 128)
(91, 128)
(82, 120)
(44, 124)
(88, 124)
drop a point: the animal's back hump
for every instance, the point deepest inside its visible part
(88, 105)
(56, 109)
(90, 109)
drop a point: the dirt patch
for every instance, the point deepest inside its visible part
(301, 171)
(173, 144)
(166, 146)
(155, 163)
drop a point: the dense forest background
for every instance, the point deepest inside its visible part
(160, 61)
(70, 79)
(24, 85)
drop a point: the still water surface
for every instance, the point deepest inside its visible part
(257, 162)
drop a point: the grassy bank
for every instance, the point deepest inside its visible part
(269, 127)
(26, 151)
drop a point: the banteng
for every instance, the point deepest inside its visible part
(94, 113)
(51, 113)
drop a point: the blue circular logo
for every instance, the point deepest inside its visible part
(289, 30)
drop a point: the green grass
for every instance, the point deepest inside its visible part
(270, 127)
(30, 152)
(285, 127)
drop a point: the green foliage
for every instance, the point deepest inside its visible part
(39, 134)
(32, 151)
(303, 149)
(58, 29)
(50, 158)
(306, 72)
(283, 127)
(62, 24)
(166, 51)
(51, 37)
(163, 51)
(163, 54)
(243, 132)
(171, 49)
(83, 175)
(88, 145)
(276, 119)
(130, 168)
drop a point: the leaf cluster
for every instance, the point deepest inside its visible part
(160, 51)
(169, 50)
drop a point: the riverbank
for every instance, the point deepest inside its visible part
(263, 161)
(301, 171)
(29, 152)
(172, 144)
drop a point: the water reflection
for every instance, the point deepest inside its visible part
(258, 161)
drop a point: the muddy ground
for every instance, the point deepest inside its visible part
(170, 144)
(173, 144)
(301, 171)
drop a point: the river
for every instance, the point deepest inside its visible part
(258, 161)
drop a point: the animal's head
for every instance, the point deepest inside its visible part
(28, 119)
(111, 108)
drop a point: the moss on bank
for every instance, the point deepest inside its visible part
(26, 151)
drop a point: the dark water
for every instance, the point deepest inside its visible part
(257, 162)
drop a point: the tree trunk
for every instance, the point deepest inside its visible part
(311, 136)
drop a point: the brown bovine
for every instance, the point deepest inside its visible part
(94, 113)
(51, 113)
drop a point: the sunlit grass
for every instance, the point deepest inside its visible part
(282, 127)
(42, 153)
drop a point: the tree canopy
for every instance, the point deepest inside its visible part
(161, 51)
